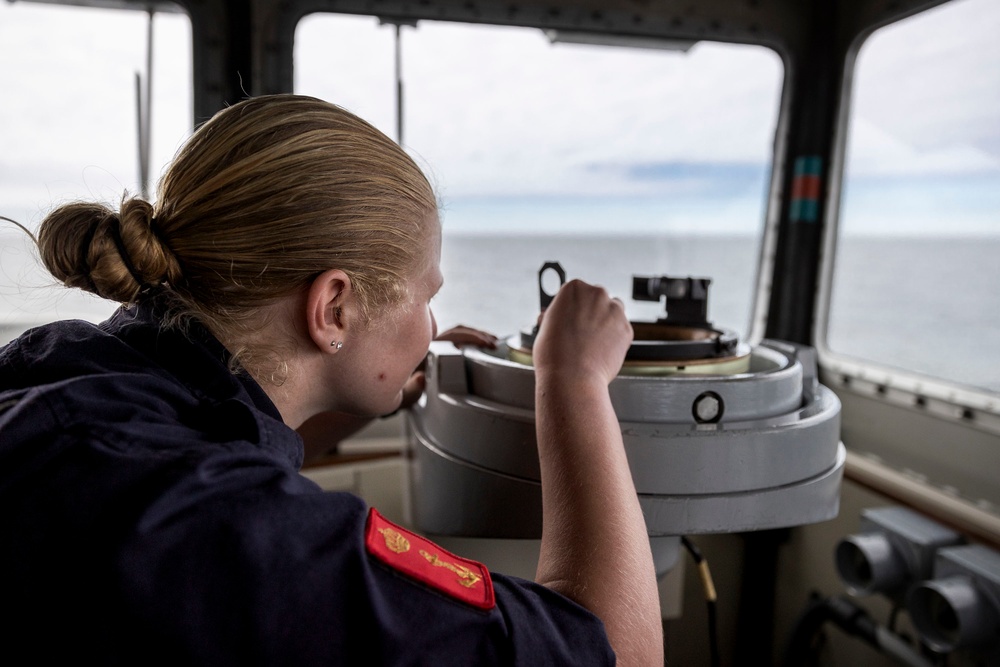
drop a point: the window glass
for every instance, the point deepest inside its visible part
(611, 160)
(916, 276)
(68, 131)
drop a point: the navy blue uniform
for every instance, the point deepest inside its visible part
(151, 512)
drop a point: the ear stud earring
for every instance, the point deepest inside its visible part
(337, 344)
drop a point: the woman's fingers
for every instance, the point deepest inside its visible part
(463, 335)
(583, 331)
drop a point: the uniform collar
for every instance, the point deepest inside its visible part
(192, 353)
(200, 361)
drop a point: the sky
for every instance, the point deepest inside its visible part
(501, 118)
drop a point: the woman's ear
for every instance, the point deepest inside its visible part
(329, 302)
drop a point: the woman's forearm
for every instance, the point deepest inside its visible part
(594, 545)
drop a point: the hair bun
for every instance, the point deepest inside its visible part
(114, 255)
(143, 250)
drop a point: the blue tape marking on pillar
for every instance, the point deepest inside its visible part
(810, 165)
(809, 210)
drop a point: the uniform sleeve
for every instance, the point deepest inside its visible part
(510, 620)
(285, 577)
(542, 622)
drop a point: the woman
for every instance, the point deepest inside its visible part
(149, 483)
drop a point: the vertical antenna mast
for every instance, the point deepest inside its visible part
(399, 85)
(398, 24)
(144, 110)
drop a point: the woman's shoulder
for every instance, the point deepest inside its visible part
(75, 382)
(60, 351)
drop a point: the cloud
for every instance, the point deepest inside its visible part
(946, 92)
(501, 110)
(68, 126)
(494, 110)
(876, 151)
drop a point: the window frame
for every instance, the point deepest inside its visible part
(946, 399)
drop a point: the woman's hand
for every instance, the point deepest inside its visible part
(463, 335)
(584, 332)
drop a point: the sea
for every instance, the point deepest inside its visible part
(929, 304)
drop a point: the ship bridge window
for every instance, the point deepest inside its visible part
(612, 160)
(916, 276)
(69, 129)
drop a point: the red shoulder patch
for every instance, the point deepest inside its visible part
(421, 559)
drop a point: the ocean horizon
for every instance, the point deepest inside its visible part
(920, 303)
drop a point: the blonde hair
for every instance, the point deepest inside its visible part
(264, 196)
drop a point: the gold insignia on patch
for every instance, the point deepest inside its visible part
(394, 541)
(428, 564)
(466, 577)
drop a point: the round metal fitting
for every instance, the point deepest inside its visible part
(708, 408)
